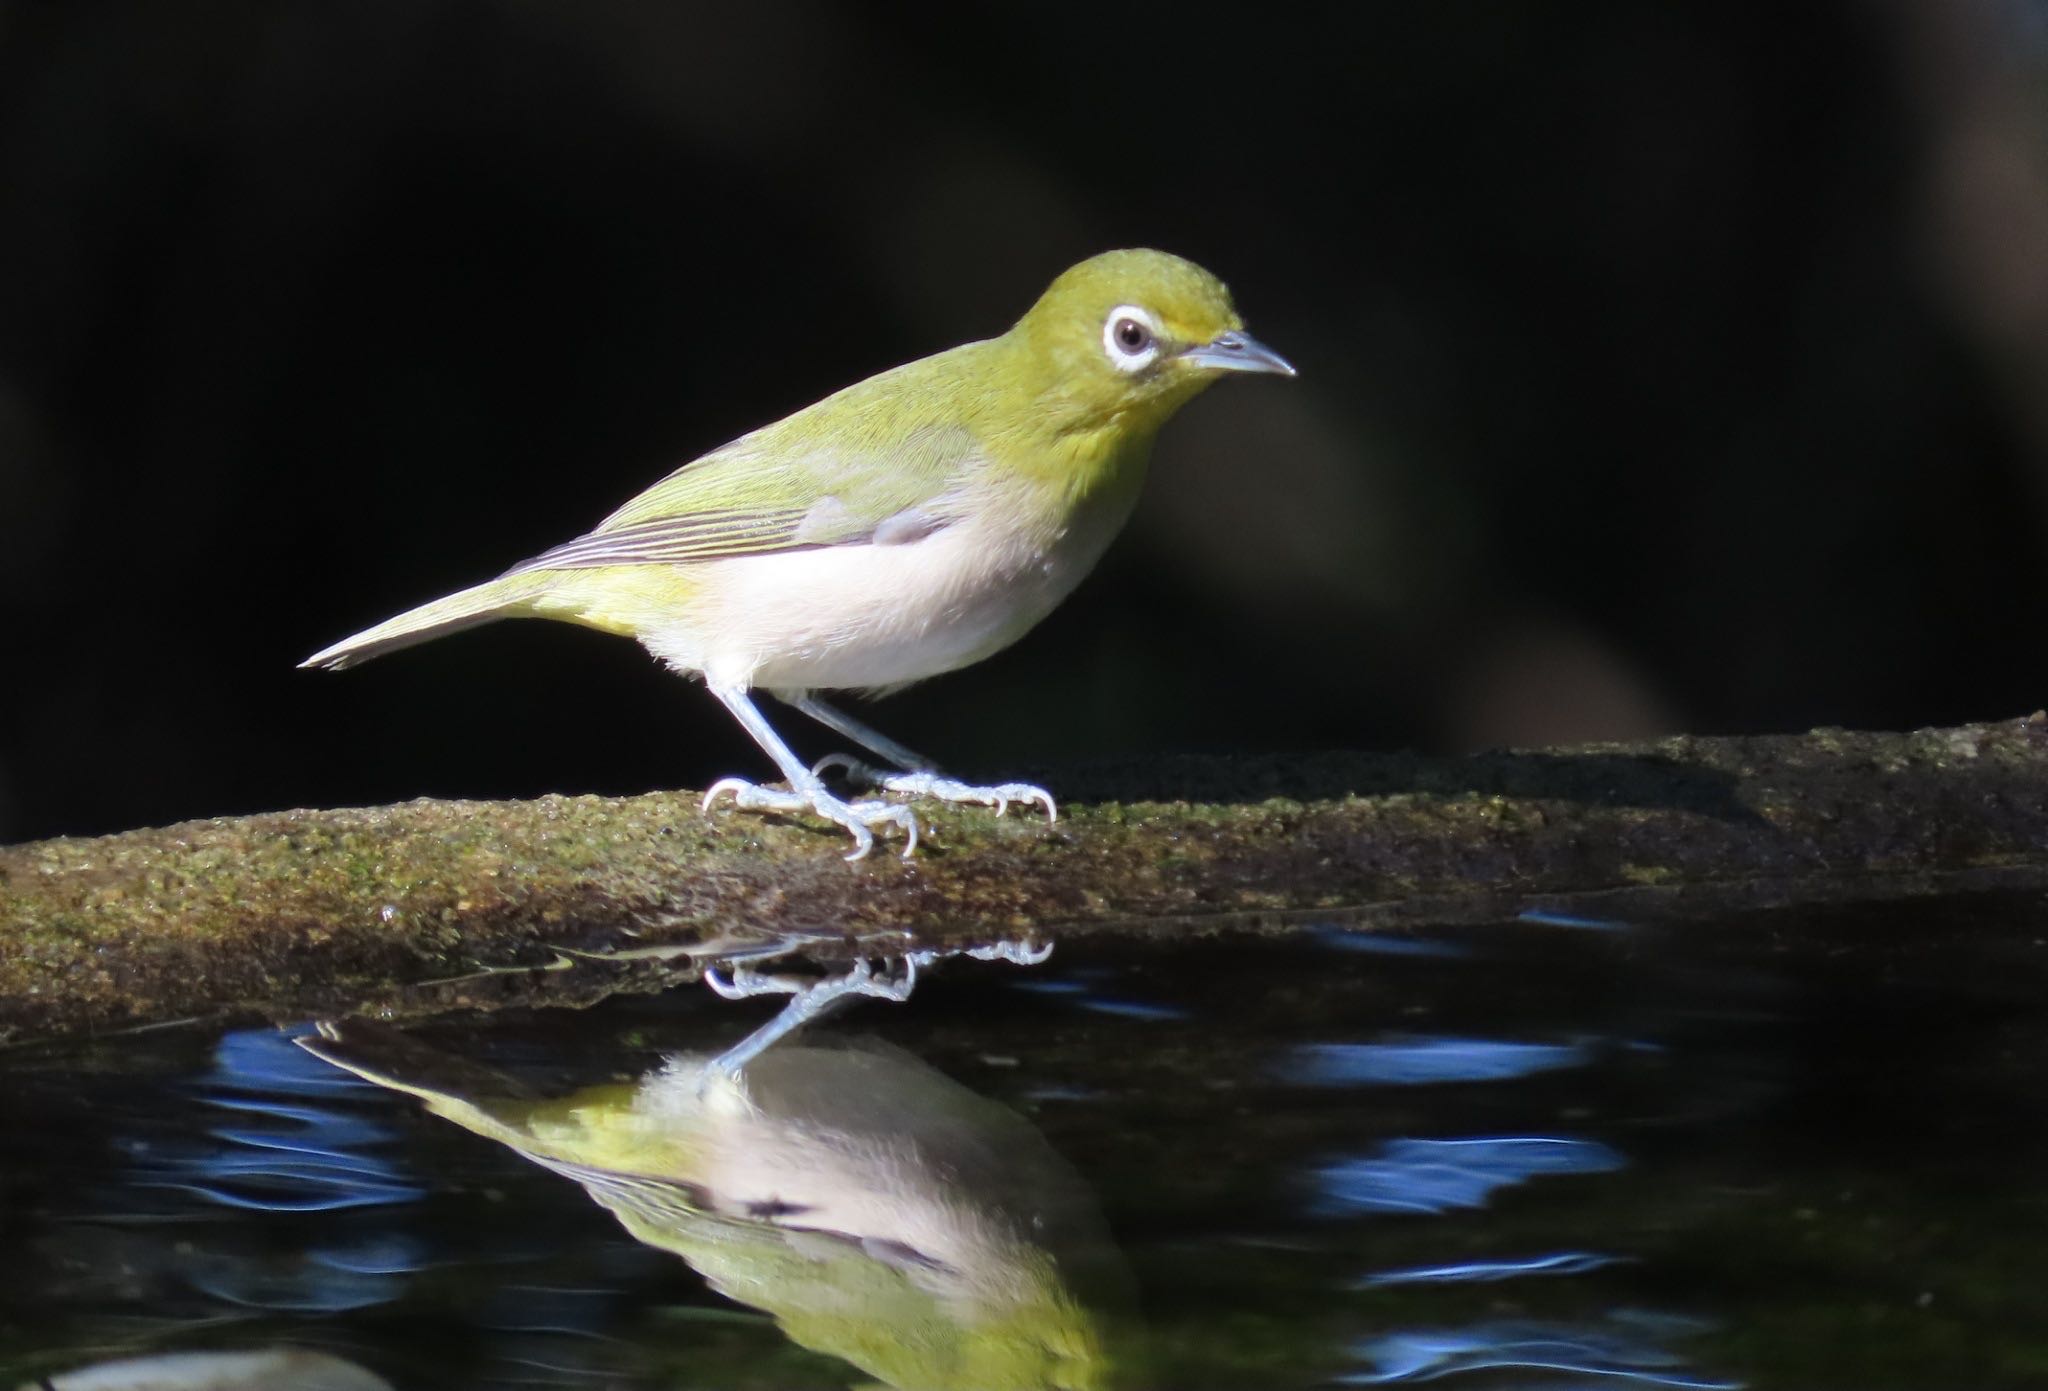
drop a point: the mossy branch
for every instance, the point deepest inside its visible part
(438, 905)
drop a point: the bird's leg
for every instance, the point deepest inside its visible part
(807, 791)
(920, 776)
(814, 997)
(873, 740)
(811, 999)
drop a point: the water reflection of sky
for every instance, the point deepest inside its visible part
(1486, 1272)
(293, 1137)
(1422, 1061)
(1623, 1350)
(1387, 942)
(1087, 993)
(286, 1146)
(1545, 917)
(1437, 1175)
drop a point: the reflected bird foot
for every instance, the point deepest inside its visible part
(743, 982)
(810, 998)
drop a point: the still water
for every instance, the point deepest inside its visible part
(1799, 1148)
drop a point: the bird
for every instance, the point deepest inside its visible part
(903, 527)
(880, 1211)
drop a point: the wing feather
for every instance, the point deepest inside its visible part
(776, 490)
(671, 540)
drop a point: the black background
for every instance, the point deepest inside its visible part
(1679, 366)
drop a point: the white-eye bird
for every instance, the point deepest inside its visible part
(908, 525)
(879, 1210)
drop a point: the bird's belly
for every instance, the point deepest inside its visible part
(870, 616)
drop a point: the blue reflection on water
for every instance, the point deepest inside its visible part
(291, 1148)
(267, 1060)
(295, 1138)
(307, 1284)
(1049, 987)
(387, 1254)
(1615, 1355)
(1131, 1009)
(1548, 918)
(1383, 943)
(1437, 1175)
(1424, 1060)
(1470, 1272)
(1083, 995)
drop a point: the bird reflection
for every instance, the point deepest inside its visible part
(878, 1210)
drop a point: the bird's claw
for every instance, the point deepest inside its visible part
(938, 786)
(740, 981)
(862, 818)
(811, 997)
(1016, 950)
(945, 789)
(858, 818)
(734, 979)
(855, 771)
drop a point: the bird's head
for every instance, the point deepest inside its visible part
(1130, 335)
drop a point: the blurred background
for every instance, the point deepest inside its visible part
(1674, 367)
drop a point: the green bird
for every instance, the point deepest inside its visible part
(879, 1210)
(909, 525)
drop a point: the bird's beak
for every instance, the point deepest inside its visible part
(1237, 351)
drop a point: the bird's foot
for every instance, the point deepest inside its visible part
(938, 786)
(740, 981)
(810, 998)
(859, 818)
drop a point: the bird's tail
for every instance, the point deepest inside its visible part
(505, 597)
(472, 1095)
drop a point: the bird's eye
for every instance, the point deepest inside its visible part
(1131, 338)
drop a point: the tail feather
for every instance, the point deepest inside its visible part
(500, 598)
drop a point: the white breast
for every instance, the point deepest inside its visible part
(869, 616)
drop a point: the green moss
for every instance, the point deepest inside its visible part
(302, 911)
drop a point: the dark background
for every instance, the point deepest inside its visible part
(1675, 366)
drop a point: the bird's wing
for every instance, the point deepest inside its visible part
(769, 492)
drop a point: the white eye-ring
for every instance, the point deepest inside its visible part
(1131, 338)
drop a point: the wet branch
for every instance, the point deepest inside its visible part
(437, 905)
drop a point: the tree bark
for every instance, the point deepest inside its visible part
(430, 906)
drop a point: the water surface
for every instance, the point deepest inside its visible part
(1793, 1149)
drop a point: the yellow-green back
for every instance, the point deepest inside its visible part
(1027, 449)
(1045, 400)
